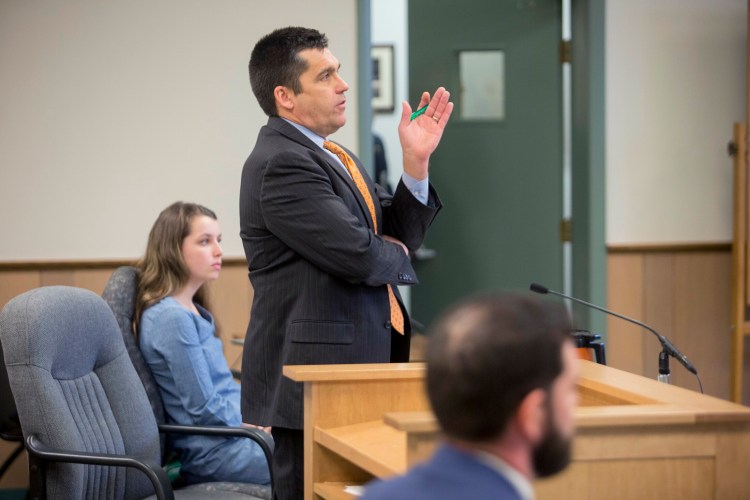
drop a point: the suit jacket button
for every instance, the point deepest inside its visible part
(387, 324)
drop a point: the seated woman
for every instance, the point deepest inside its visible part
(178, 340)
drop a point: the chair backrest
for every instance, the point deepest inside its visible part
(10, 428)
(75, 388)
(120, 294)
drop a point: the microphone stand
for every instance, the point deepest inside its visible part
(668, 349)
(663, 367)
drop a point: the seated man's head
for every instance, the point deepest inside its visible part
(501, 377)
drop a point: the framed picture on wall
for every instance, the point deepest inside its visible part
(382, 79)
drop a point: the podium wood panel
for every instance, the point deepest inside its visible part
(377, 448)
(636, 438)
(333, 491)
(337, 396)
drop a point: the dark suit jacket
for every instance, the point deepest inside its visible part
(317, 269)
(450, 474)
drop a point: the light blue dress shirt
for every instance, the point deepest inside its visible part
(197, 388)
(419, 189)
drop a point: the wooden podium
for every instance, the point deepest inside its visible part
(635, 438)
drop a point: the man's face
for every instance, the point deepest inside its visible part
(552, 454)
(321, 104)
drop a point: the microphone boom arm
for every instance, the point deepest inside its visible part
(668, 347)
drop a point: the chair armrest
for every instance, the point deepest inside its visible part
(40, 453)
(264, 440)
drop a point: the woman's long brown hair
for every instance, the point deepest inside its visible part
(162, 268)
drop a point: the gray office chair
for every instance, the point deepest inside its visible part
(88, 426)
(120, 294)
(10, 427)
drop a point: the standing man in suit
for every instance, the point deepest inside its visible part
(501, 380)
(325, 245)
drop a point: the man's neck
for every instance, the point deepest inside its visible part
(316, 138)
(514, 454)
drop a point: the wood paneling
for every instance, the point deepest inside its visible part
(16, 476)
(658, 307)
(702, 320)
(13, 283)
(685, 295)
(231, 297)
(642, 248)
(625, 341)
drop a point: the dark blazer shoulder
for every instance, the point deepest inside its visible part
(288, 131)
(279, 140)
(449, 473)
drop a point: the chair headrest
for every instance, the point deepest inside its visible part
(67, 331)
(120, 293)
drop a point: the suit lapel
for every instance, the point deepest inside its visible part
(292, 133)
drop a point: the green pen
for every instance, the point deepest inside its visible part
(419, 112)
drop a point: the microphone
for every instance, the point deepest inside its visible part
(668, 347)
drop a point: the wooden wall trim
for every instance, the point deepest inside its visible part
(685, 296)
(669, 247)
(63, 265)
(68, 265)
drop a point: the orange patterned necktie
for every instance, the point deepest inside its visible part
(397, 317)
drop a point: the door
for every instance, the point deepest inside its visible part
(498, 169)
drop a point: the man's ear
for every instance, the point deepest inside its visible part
(284, 97)
(531, 417)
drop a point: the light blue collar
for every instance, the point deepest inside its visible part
(317, 140)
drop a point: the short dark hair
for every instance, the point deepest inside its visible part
(486, 354)
(275, 61)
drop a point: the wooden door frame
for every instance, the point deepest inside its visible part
(740, 255)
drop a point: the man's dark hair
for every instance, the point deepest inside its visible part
(275, 61)
(486, 354)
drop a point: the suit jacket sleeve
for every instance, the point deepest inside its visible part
(303, 210)
(406, 218)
